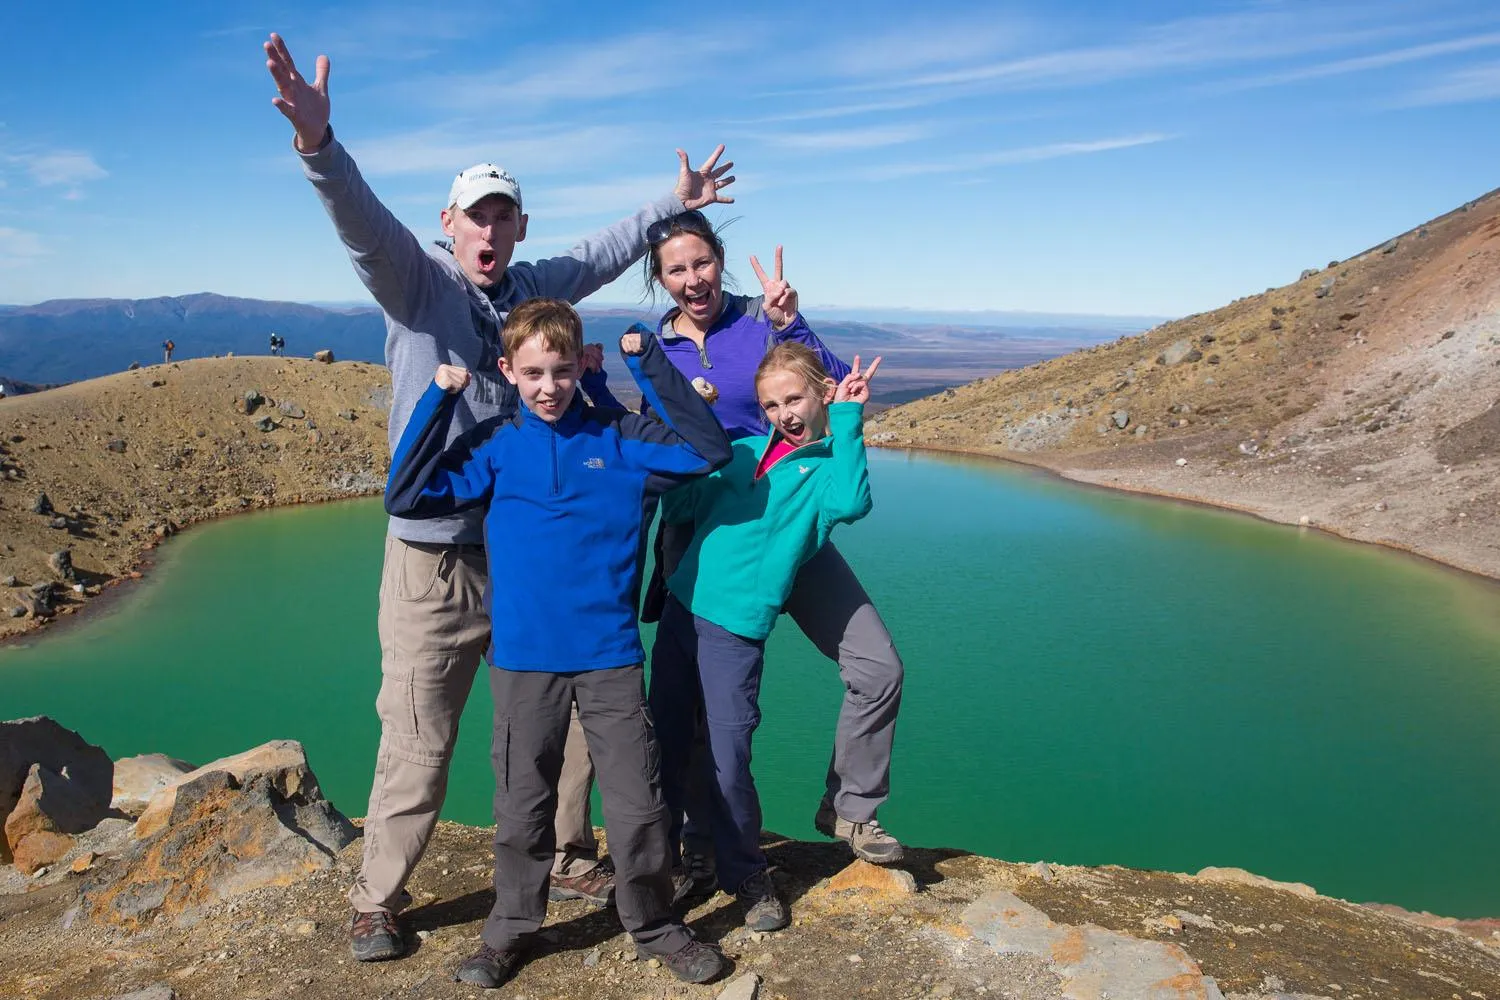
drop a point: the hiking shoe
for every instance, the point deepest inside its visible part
(489, 968)
(869, 840)
(694, 878)
(696, 962)
(375, 936)
(597, 885)
(764, 909)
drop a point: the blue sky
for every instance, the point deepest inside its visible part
(1147, 158)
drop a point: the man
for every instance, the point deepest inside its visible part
(447, 306)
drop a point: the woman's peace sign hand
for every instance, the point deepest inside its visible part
(781, 298)
(855, 388)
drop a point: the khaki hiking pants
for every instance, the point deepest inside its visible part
(434, 629)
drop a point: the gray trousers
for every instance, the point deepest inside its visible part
(832, 609)
(531, 728)
(433, 630)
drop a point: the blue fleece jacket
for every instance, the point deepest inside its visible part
(731, 352)
(563, 503)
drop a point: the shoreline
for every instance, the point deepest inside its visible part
(1332, 531)
(143, 563)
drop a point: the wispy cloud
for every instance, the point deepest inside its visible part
(1270, 30)
(1008, 157)
(1465, 86)
(920, 44)
(450, 147)
(837, 111)
(1361, 64)
(17, 246)
(604, 71)
(60, 168)
(617, 196)
(846, 139)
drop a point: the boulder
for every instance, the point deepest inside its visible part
(42, 504)
(283, 760)
(1091, 961)
(253, 399)
(61, 562)
(50, 809)
(40, 740)
(1177, 353)
(116, 445)
(220, 839)
(291, 409)
(137, 779)
(324, 356)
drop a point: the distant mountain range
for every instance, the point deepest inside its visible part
(65, 340)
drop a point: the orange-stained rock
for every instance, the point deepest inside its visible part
(137, 779)
(51, 806)
(863, 875)
(284, 760)
(44, 847)
(40, 740)
(221, 839)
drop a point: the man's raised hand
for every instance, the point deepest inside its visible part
(780, 301)
(700, 188)
(452, 378)
(304, 104)
(855, 388)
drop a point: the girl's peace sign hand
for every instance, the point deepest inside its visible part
(781, 298)
(855, 388)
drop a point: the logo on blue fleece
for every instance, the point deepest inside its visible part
(594, 463)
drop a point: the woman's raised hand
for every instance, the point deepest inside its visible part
(630, 343)
(591, 358)
(452, 378)
(304, 104)
(700, 188)
(855, 388)
(781, 298)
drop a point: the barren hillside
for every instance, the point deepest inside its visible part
(1359, 399)
(126, 460)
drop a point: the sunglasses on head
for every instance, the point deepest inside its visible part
(687, 222)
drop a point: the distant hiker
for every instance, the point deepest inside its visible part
(445, 305)
(167, 347)
(754, 524)
(568, 634)
(278, 346)
(721, 338)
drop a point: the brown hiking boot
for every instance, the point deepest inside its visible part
(597, 885)
(869, 841)
(375, 937)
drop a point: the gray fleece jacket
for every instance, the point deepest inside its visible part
(435, 315)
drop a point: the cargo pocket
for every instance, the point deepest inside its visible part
(396, 704)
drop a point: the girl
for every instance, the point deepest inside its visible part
(755, 523)
(717, 339)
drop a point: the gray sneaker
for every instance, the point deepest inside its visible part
(869, 841)
(764, 910)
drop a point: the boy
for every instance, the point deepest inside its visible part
(562, 485)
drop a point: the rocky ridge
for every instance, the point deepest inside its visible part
(1359, 399)
(94, 475)
(230, 884)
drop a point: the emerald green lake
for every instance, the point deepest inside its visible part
(1091, 678)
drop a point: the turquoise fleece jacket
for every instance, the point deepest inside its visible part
(752, 535)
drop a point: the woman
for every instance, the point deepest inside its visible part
(718, 339)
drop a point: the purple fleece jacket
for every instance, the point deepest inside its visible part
(731, 352)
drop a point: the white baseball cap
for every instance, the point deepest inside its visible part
(481, 180)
